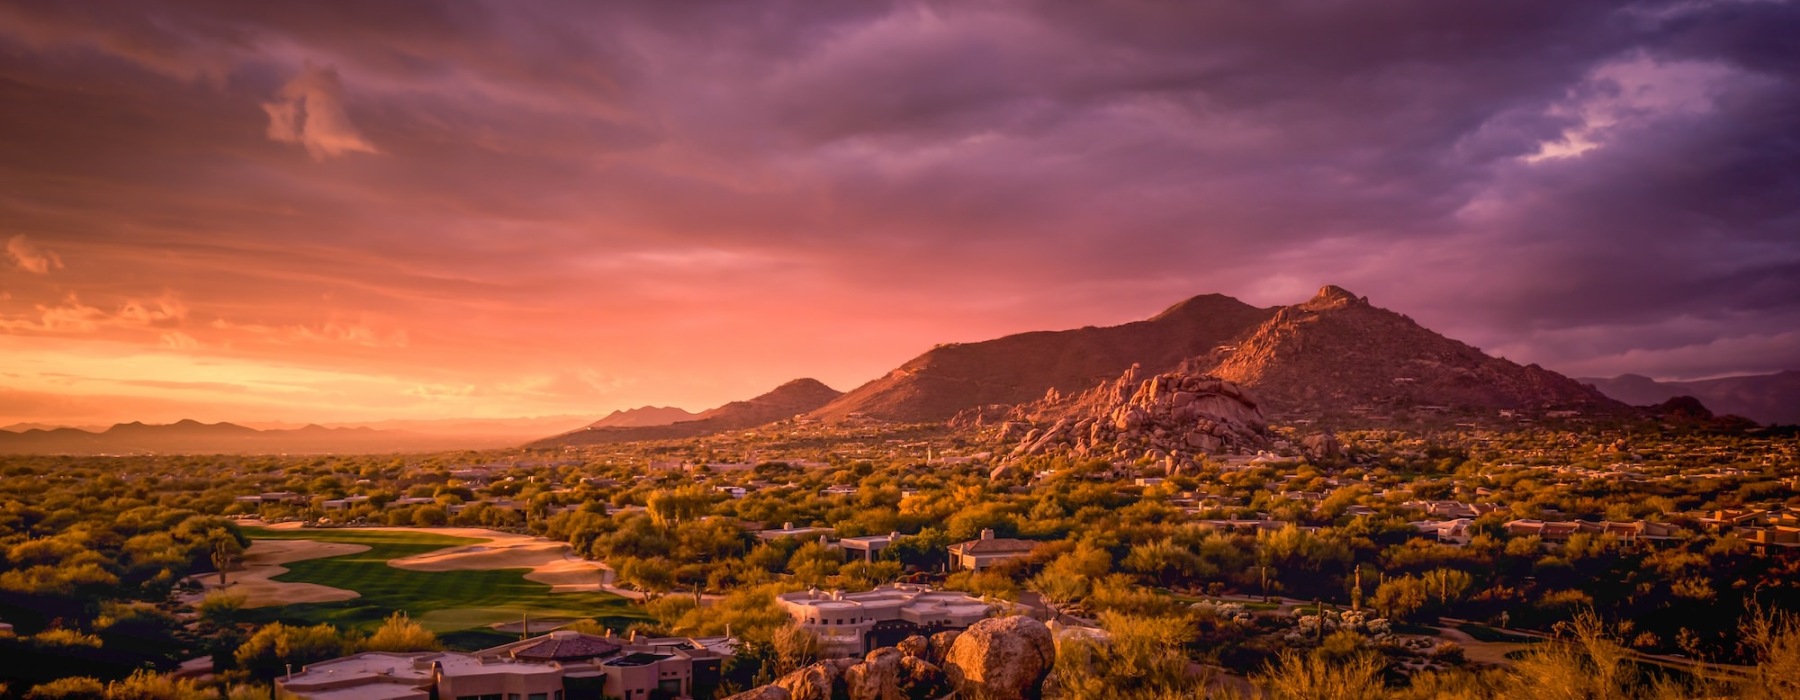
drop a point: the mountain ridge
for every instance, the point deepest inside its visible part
(1765, 398)
(1022, 367)
(790, 399)
(188, 436)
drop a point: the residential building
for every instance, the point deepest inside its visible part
(989, 550)
(866, 548)
(788, 530)
(556, 666)
(852, 624)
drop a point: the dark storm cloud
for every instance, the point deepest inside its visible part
(1594, 186)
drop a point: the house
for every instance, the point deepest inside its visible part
(1557, 532)
(1455, 532)
(867, 547)
(1262, 522)
(1772, 536)
(851, 624)
(987, 551)
(558, 666)
(788, 530)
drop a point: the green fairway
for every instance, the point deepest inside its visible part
(443, 601)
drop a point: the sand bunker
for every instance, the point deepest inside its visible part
(551, 563)
(263, 561)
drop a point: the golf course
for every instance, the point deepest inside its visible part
(391, 569)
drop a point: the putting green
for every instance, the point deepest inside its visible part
(443, 601)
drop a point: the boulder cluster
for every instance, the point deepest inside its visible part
(1171, 416)
(995, 659)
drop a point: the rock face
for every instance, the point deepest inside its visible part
(1001, 659)
(1338, 359)
(1171, 415)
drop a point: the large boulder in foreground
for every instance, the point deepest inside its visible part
(1001, 659)
(767, 692)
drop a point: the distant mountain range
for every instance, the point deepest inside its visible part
(783, 402)
(1764, 398)
(1334, 358)
(194, 437)
(643, 417)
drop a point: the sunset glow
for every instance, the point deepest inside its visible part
(315, 212)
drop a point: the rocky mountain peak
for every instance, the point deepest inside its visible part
(1332, 296)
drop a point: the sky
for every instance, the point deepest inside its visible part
(341, 211)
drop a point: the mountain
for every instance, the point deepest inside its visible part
(1338, 356)
(194, 437)
(1764, 398)
(783, 402)
(22, 427)
(643, 416)
(1334, 357)
(1021, 368)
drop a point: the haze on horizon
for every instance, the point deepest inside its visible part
(340, 211)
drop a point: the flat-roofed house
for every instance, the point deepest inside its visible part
(987, 551)
(852, 624)
(866, 548)
(558, 666)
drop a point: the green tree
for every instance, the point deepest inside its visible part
(399, 633)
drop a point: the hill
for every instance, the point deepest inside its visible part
(194, 437)
(1764, 398)
(1336, 356)
(1018, 369)
(782, 402)
(643, 416)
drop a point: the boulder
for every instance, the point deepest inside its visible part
(814, 682)
(767, 692)
(876, 678)
(915, 646)
(1001, 659)
(1322, 447)
(940, 645)
(922, 680)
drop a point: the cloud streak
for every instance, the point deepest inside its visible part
(28, 257)
(309, 111)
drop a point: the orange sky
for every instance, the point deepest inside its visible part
(322, 212)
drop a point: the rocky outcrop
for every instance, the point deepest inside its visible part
(1001, 659)
(1339, 360)
(818, 681)
(996, 659)
(1171, 416)
(1322, 447)
(884, 674)
(767, 692)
